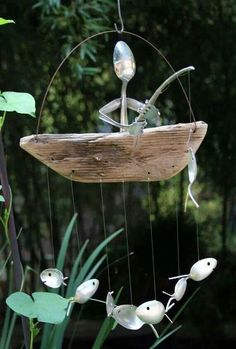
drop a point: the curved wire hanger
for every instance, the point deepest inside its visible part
(119, 31)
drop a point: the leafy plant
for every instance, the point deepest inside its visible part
(50, 307)
(78, 275)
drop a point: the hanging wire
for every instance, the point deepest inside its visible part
(189, 139)
(127, 243)
(75, 212)
(119, 31)
(50, 216)
(177, 225)
(197, 236)
(152, 243)
(105, 235)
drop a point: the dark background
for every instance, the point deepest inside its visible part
(193, 32)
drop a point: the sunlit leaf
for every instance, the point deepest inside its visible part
(5, 21)
(20, 102)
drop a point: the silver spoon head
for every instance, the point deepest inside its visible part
(202, 269)
(180, 288)
(123, 60)
(86, 290)
(52, 277)
(110, 304)
(151, 312)
(192, 166)
(126, 316)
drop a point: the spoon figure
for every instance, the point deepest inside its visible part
(192, 174)
(124, 66)
(200, 270)
(84, 292)
(52, 278)
(178, 294)
(152, 312)
(125, 314)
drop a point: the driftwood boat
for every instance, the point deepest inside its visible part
(158, 154)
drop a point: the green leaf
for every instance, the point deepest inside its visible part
(21, 303)
(45, 306)
(50, 307)
(89, 262)
(20, 102)
(107, 326)
(5, 21)
(161, 339)
(74, 270)
(65, 243)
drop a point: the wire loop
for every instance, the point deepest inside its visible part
(119, 31)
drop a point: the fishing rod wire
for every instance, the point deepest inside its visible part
(127, 242)
(190, 134)
(177, 224)
(75, 212)
(105, 235)
(50, 215)
(197, 236)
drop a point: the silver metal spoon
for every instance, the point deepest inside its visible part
(124, 66)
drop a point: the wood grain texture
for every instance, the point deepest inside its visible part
(160, 153)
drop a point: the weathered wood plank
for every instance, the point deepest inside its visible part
(160, 153)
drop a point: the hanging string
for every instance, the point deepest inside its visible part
(105, 234)
(75, 211)
(190, 133)
(50, 216)
(177, 224)
(151, 238)
(197, 236)
(127, 242)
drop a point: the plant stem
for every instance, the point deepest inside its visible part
(12, 232)
(31, 333)
(2, 120)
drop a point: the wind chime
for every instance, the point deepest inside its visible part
(143, 151)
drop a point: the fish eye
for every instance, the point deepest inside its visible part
(93, 283)
(208, 263)
(49, 274)
(148, 308)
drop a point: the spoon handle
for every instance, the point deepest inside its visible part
(123, 110)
